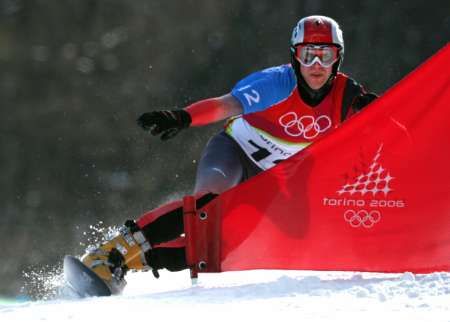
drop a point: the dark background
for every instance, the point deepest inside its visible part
(75, 75)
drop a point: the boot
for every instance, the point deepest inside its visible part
(115, 257)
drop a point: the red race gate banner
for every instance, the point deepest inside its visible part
(373, 195)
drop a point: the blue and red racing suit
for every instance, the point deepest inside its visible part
(276, 123)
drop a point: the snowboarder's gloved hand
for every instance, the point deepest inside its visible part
(166, 123)
(363, 100)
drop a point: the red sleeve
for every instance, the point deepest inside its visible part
(209, 111)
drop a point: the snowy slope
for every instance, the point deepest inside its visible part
(268, 295)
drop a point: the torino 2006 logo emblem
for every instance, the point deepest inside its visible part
(307, 125)
(367, 191)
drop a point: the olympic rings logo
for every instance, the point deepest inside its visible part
(306, 126)
(362, 218)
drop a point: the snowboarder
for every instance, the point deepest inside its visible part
(272, 114)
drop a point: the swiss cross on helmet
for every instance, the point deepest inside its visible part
(319, 30)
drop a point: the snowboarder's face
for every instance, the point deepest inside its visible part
(316, 75)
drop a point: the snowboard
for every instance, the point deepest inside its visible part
(82, 280)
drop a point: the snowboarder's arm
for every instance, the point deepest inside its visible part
(213, 110)
(168, 123)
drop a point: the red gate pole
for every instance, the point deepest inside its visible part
(189, 212)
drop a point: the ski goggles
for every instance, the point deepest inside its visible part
(309, 54)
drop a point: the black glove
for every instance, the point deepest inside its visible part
(363, 100)
(169, 123)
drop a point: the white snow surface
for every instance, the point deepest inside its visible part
(254, 295)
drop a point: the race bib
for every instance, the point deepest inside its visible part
(262, 148)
